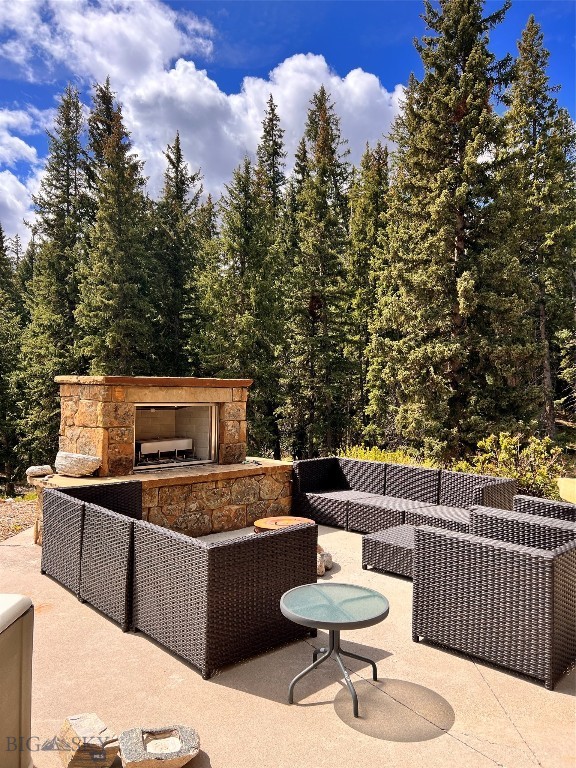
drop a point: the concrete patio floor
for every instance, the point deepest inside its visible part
(428, 708)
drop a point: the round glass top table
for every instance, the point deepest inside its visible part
(334, 607)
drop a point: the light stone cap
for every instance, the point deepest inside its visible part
(11, 608)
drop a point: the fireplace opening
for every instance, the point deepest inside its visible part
(174, 435)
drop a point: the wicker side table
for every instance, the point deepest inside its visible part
(390, 550)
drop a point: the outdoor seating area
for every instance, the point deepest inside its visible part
(211, 602)
(484, 576)
(427, 707)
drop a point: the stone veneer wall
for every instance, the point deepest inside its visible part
(218, 505)
(219, 499)
(98, 412)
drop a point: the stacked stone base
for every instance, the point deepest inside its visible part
(199, 501)
(210, 506)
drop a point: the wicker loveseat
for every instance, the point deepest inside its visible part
(212, 603)
(505, 592)
(369, 496)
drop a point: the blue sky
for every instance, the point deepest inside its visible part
(206, 68)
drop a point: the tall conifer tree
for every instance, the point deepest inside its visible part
(315, 413)
(450, 347)
(239, 301)
(114, 311)
(540, 182)
(48, 339)
(368, 206)
(9, 344)
(175, 243)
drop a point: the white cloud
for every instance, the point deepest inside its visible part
(15, 203)
(147, 49)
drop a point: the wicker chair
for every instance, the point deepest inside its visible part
(215, 603)
(503, 592)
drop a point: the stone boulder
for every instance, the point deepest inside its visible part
(84, 740)
(172, 746)
(76, 464)
(39, 471)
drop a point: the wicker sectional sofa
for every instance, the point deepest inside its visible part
(370, 496)
(211, 602)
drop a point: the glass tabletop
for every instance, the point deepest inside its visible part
(334, 606)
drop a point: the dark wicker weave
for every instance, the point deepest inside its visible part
(124, 498)
(329, 508)
(62, 538)
(216, 603)
(106, 572)
(375, 513)
(315, 475)
(529, 530)
(366, 476)
(390, 550)
(458, 489)
(452, 518)
(532, 505)
(504, 603)
(418, 483)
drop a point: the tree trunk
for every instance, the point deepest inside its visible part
(547, 386)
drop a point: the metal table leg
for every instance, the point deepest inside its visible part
(334, 649)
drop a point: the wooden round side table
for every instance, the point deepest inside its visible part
(274, 523)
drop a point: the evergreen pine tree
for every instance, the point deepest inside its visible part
(239, 305)
(368, 206)
(538, 175)
(9, 343)
(315, 413)
(114, 311)
(51, 286)
(174, 282)
(451, 348)
(271, 161)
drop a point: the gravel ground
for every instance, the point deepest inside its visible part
(16, 516)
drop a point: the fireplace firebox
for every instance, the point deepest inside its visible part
(138, 423)
(174, 434)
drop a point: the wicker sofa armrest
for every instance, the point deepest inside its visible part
(106, 566)
(518, 528)
(316, 475)
(124, 498)
(479, 596)
(533, 505)
(170, 590)
(246, 579)
(62, 527)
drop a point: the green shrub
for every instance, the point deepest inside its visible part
(536, 464)
(397, 456)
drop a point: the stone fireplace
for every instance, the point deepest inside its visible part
(183, 439)
(141, 423)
